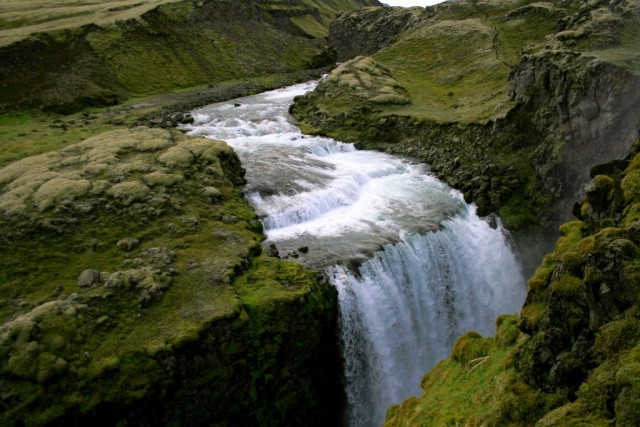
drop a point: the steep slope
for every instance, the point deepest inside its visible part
(572, 356)
(510, 101)
(133, 289)
(66, 57)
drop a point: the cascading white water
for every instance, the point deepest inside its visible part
(407, 305)
(414, 266)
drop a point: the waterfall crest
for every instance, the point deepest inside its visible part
(407, 305)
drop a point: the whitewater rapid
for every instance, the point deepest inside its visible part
(414, 266)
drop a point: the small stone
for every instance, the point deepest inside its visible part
(128, 244)
(272, 250)
(303, 250)
(212, 193)
(229, 219)
(88, 278)
(102, 320)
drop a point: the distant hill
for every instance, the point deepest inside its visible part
(63, 56)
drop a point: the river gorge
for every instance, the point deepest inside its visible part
(414, 266)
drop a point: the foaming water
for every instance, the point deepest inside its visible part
(406, 306)
(414, 266)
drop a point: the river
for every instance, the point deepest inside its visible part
(414, 266)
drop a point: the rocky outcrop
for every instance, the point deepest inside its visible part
(366, 32)
(134, 290)
(588, 110)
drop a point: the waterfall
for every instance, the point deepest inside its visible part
(428, 269)
(406, 306)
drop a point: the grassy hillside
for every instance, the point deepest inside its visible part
(67, 56)
(454, 59)
(20, 19)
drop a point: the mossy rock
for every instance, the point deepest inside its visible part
(90, 331)
(470, 347)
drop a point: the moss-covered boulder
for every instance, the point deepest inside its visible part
(133, 289)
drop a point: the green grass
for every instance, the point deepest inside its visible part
(30, 133)
(456, 70)
(22, 18)
(477, 387)
(516, 34)
(451, 72)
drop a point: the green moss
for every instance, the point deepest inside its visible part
(628, 378)
(518, 213)
(617, 336)
(631, 186)
(507, 331)
(567, 286)
(470, 347)
(571, 233)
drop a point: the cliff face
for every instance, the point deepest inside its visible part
(368, 31)
(532, 94)
(133, 289)
(109, 52)
(584, 93)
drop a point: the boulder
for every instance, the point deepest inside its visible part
(88, 278)
(128, 244)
